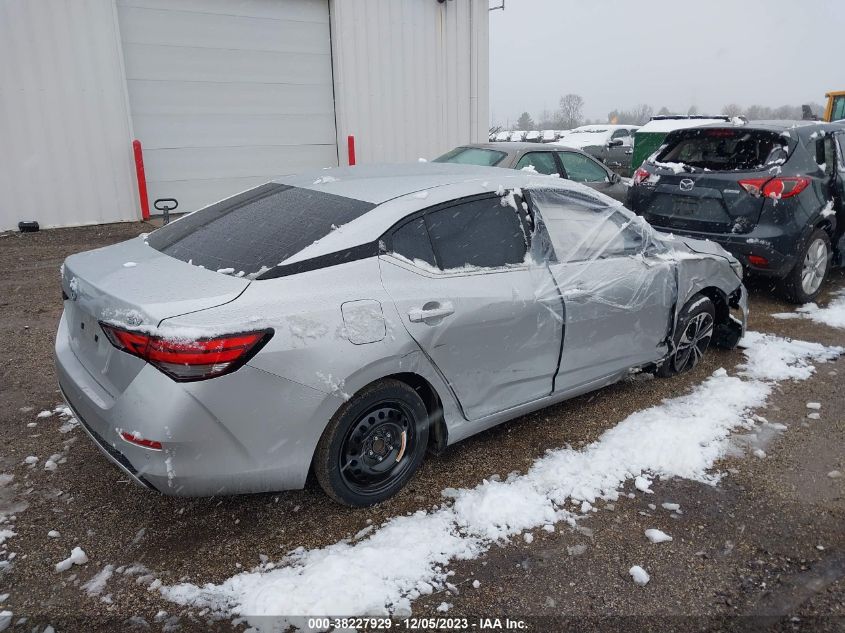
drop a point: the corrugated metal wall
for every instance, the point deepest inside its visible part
(64, 128)
(411, 76)
(410, 80)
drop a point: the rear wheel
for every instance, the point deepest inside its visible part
(692, 336)
(805, 280)
(373, 445)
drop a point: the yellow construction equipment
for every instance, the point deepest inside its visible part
(835, 109)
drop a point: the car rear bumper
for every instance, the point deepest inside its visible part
(249, 431)
(768, 242)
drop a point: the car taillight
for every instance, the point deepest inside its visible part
(640, 175)
(135, 438)
(776, 188)
(193, 359)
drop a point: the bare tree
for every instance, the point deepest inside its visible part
(732, 109)
(571, 111)
(664, 111)
(757, 112)
(693, 110)
(637, 116)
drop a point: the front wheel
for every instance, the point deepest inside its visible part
(692, 336)
(373, 444)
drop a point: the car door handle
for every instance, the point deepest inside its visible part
(431, 311)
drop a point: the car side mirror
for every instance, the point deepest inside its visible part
(614, 178)
(616, 142)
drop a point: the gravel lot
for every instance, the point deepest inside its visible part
(749, 547)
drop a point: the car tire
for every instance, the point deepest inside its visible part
(693, 333)
(373, 445)
(804, 282)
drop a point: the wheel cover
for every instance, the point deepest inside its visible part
(815, 266)
(378, 448)
(694, 342)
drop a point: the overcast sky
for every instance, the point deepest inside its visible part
(618, 53)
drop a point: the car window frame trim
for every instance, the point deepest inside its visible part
(385, 240)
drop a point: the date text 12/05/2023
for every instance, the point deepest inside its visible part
(418, 624)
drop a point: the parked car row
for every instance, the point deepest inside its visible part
(530, 136)
(611, 144)
(344, 323)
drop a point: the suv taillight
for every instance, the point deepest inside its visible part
(186, 360)
(640, 175)
(775, 188)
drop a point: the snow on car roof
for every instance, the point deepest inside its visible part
(667, 124)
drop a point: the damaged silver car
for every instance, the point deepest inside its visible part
(344, 322)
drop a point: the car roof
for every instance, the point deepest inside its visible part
(782, 125)
(401, 190)
(515, 147)
(377, 184)
(602, 126)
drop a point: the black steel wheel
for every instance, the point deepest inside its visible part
(693, 334)
(373, 445)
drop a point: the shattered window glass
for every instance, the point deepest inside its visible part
(583, 228)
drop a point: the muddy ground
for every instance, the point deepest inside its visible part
(764, 550)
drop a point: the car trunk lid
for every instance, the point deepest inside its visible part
(135, 286)
(707, 202)
(696, 186)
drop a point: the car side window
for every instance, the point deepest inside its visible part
(620, 134)
(482, 233)
(581, 168)
(542, 162)
(582, 228)
(411, 242)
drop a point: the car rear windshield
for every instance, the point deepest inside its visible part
(472, 156)
(724, 149)
(256, 230)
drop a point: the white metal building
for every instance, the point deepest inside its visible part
(223, 95)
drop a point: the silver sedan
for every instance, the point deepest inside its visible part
(348, 320)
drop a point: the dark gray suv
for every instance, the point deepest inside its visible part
(770, 192)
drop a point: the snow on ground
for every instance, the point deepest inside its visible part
(639, 575)
(97, 584)
(407, 556)
(833, 315)
(657, 536)
(77, 557)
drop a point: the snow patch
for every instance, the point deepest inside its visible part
(406, 557)
(832, 315)
(657, 536)
(77, 557)
(639, 575)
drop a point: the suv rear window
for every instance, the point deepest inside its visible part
(255, 230)
(724, 149)
(472, 156)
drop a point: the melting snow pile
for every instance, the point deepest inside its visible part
(407, 556)
(833, 315)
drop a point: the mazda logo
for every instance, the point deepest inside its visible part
(687, 184)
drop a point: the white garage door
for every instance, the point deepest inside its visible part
(227, 94)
